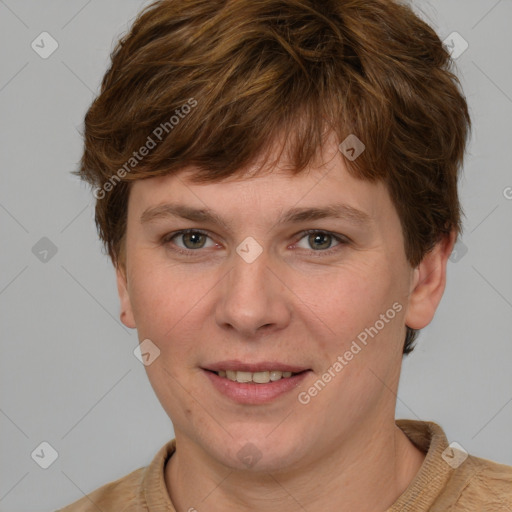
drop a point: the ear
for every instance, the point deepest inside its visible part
(124, 298)
(428, 284)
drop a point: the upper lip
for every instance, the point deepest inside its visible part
(263, 366)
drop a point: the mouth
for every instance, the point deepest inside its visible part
(262, 377)
(256, 383)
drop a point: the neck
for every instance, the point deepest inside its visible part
(367, 472)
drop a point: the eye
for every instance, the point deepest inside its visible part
(187, 241)
(321, 241)
(191, 239)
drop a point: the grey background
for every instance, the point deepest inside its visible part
(68, 373)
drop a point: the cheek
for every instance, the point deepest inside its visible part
(149, 300)
(348, 301)
(168, 312)
(158, 299)
(361, 348)
(170, 305)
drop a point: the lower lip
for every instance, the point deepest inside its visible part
(251, 393)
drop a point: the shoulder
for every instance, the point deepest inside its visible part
(480, 484)
(450, 479)
(139, 490)
(121, 495)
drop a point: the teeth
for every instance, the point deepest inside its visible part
(261, 377)
(276, 375)
(243, 376)
(257, 377)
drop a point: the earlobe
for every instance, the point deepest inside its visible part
(428, 284)
(124, 299)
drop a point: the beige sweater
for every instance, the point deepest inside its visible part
(443, 483)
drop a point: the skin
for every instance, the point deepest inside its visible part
(296, 304)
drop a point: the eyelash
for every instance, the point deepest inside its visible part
(341, 239)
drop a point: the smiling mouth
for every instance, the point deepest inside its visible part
(255, 377)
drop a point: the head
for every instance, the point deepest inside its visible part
(241, 109)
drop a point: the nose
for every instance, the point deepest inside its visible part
(253, 298)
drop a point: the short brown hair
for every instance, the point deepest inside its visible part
(258, 69)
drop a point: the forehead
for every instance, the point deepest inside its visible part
(315, 193)
(283, 199)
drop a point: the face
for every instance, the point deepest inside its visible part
(275, 274)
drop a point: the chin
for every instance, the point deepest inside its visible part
(261, 452)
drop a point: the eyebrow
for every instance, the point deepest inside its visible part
(292, 216)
